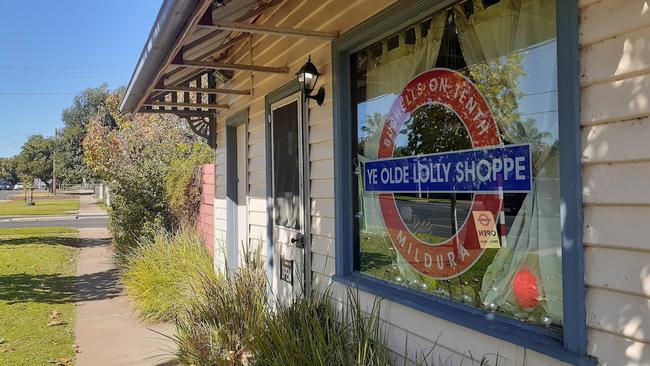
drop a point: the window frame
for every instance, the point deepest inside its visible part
(570, 345)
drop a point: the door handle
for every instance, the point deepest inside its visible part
(298, 241)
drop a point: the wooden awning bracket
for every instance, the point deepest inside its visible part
(202, 90)
(185, 105)
(202, 123)
(160, 87)
(179, 112)
(204, 127)
(265, 29)
(178, 61)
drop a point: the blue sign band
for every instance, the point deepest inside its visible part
(485, 170)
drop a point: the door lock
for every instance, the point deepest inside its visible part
(298, 241)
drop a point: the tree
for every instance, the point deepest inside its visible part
(433, 129)
(35, 159)
(522, 132)
(135, 159)
(498, 81)
(527, 132)
(90, 104)
(8, 170)
(372, 128)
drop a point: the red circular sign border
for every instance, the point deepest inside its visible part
(456, 92)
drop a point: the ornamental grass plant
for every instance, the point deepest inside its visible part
(312, 331)
(236, 322)
(220, 327)
(161, 274)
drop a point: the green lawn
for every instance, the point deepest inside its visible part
(37, 268)
(42, 207)
(378, 257)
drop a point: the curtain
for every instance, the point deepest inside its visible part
(386, 76)
(534, 244)
(390, 72)
(493, 35)
(504, 27)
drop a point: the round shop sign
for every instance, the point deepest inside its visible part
(454, 91)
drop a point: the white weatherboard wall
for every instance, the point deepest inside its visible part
(422, 330)
(615, 77)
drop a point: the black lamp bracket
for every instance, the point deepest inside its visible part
(319, 97)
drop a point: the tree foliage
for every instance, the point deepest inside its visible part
(135, 159)
(498, 81)
(8, 170)
(35, 159)
(90, 105)
(183, 182)
(433, 129)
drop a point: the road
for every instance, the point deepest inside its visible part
(83, 221)
(76, 221)
(4, 195)
(434, 218)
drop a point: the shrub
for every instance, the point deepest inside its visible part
(161, 274)
(134, 159)
(219, 328)
(183, 181)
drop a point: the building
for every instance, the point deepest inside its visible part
(480, 165)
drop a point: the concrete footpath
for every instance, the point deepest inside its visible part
(106, 330)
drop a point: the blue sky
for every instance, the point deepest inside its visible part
(51, 50)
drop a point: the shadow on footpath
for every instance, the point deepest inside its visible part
(57, 288)
(49, 240)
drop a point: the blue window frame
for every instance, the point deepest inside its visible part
(568, 345)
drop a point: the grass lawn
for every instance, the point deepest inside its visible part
(378, 256)
(37, 269)
(42, 207)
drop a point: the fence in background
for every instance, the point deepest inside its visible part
(102, 193)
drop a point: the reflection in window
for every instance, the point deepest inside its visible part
(286, 173)
(507, 50)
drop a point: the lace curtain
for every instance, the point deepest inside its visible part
(386, 76)
(533, 241)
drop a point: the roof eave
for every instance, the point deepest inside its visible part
(173, 17)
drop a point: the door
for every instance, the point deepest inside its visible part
(242, 190)
(288, 198)
(236, 189)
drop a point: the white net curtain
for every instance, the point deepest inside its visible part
(489, 35)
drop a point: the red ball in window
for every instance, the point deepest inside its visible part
(525, 285)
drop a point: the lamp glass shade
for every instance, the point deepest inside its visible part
(308, 76)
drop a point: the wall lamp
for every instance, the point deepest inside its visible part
(307, 78)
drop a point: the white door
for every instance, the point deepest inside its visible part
(242, 189)
(288, 214)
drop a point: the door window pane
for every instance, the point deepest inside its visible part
(286, 166)
(457, 162)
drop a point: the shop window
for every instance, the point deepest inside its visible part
(457, 166)
(456, 152)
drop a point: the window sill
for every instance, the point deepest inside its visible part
(545, 341)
